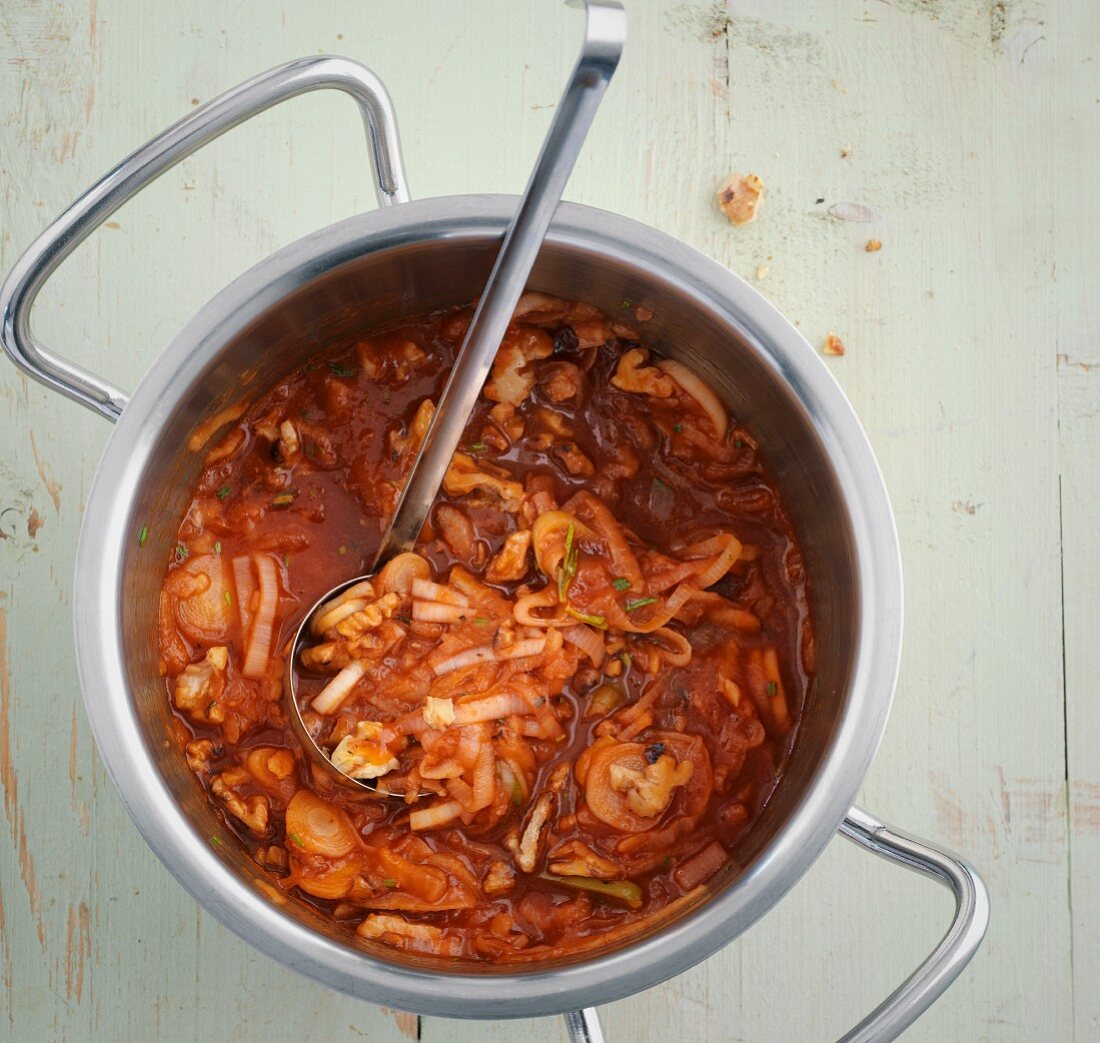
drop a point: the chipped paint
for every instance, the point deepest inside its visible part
(408, 1024)
(53, 486)
(78, 949)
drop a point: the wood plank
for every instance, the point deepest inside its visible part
(967, 124)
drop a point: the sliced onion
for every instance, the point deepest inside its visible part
(694, 386)
(439, 814)
(330, 697)
(523, 611)
(587, 640)
(675, 648)
(701, 866)
(467, 657)
(352, 600)
(491, 708)
(258, 652)
(399, 574)
(527, 647)
(245, 582)
(429, 591)
(726, 549)
(437, 612)
(319, 827)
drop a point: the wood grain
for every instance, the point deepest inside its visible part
(969, 130)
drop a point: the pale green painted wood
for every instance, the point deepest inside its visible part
(973, 131)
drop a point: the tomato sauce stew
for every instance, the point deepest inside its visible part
(582, 687)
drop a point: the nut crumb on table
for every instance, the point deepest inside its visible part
(739, 196)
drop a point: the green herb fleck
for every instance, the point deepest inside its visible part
(568, 567)
(217, 841)
(224, 491)
(772, 688)
(181, 552)
(636, 603)
(626, 659)
(626, 303)
(479, 447)
(389, 882)
(737, 443)
(666, 863)
(678, 428)
(286, 560)
(217, 546)
(660, 482)
(341, 370)
(405, 619)
(621, 583)
(143, 535)
(596, 621)
(228, 597)
(343, 550)
(295, 838)
(482, 621)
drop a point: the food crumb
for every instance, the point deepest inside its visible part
(642, 313)
(739, 196)
(762, 272)
(845, 151)
(873, 245)
(833, 345)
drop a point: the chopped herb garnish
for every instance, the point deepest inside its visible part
(772, 688)
(678, 428)
(295, 838)
(737, 443)
(636, 603)
(666, 862)
(405, 619)
(621, 583)
(343, 550)
(217, 546)
(341, 370)
(181, 552)
(285, 499)
(626, 303)
(660, 482)
(595, 621)
(482, 621)
(286, 560)
(479, 447)
(389, 882)
(227, 597)
(626, 659)
(568, 567)
(143, 535)
(224, 491)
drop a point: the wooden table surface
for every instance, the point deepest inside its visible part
(968, 129)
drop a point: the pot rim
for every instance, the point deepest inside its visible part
(107, 528)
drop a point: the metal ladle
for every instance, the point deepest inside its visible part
(604, 36)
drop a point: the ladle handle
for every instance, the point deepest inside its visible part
(604, 36)
(162, 153)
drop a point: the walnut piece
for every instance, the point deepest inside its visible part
(739, 196)
(648, 792)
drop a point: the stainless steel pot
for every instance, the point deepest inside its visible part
(398, 261)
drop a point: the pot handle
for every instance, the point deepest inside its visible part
(928, 982)
(946, 962)
(150, 161)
